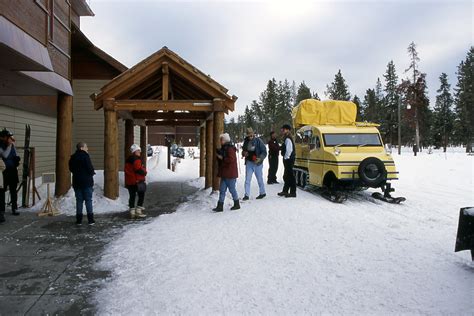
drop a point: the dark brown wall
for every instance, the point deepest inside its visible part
(86, 65)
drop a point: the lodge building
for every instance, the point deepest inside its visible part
(49, 70)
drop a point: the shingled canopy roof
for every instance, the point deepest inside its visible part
(138, 91)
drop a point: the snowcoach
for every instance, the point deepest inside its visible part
(338, 154)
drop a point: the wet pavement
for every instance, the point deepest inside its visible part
(48, 265)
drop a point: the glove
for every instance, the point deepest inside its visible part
(258, 161)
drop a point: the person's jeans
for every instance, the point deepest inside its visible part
(133, 192)
(84, 195)
(251, 168)
(227, 183)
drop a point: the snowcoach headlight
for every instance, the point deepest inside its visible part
(337, 151)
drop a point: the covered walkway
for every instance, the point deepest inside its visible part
(164, 90)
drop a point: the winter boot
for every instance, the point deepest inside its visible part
(2, 218)
(282, 194)
(246, 198)
(291, 195)
(261, 196)
(133, 213)
(90, 219)
(139, 212)
(236, 205)
(78, 219)
(15, 212)
(219, 208)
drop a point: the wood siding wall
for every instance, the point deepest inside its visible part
(88, 124)
(43, 135)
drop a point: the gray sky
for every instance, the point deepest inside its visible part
(242, 44)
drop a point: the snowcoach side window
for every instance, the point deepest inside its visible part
(307, 137)
(345, 140)
(315, 143)
(298, 138)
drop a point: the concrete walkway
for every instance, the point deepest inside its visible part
(47, 265)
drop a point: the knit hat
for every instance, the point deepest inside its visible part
(286, 126)
(250, 131)
(225, 137)
(135, 148)
(5, 133)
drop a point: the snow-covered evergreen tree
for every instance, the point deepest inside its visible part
(443, 120)
(338, 89)
(391, 101)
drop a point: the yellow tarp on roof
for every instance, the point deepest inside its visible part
(330, 112)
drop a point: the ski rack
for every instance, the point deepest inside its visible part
(30, 187)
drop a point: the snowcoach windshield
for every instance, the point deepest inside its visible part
(348, 140)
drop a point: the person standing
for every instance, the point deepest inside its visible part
(288, 153)
(255, 152)
(10, 174)
(273, 153)
(2, 192)
(227, 171)
(135, 174)
(83, 172)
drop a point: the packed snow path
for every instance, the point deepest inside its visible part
(304, 255)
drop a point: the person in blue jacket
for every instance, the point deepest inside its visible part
(254, 151)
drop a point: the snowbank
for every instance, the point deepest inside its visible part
(304, 255)
(157, 171)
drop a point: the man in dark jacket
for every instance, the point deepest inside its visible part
(288, 153)
(255, 152)
(10, 174)
(227, 171)
(273, 153)
(82, 181)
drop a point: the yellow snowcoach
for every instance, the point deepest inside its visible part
(338, 154)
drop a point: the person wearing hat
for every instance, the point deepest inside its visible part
(10, 174)
(227, 171)
(288, 153)
(83, 172)
(135, 174)
(254, 151)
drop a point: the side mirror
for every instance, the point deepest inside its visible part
(388, 149)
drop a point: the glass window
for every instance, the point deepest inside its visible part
(352, 140)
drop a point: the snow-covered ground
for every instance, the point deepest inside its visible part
(304, 255)
(157, 171)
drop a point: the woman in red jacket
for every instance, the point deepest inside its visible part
(227, 171)
(135, 174)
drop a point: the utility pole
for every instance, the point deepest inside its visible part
(399, 125)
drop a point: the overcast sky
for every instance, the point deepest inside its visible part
(242, 44)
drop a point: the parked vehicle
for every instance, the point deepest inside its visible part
(338, 154)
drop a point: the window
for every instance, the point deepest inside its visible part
(347, 140)
(315, 143)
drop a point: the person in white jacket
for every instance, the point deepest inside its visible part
(288, 153)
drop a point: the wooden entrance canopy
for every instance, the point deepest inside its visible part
(164, 90)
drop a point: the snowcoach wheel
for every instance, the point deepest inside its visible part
(372, 172)
(303, 179)
(297, 177)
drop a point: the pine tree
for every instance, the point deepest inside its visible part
(443, 120)
(392, 98)
(357, 102)
(464, 100)
(411, 96)
(285, 104)
(269, 105)
(338, 89)
(304, 92)
(316, 96)
(369, 106)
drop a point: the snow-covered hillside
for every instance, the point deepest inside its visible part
(304, 255)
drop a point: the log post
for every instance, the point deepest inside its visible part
(63, 144)
(111, 169)
(143, 143)
(209, 152)
(129, 138)
(202, 151)
(218, 130)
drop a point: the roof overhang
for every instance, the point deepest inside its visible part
(81, 8)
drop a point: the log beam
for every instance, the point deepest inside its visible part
(202, 151)
(154, 115)
(111, 169)
(63, 144)
(143, 143)
(218, 130)
(161, 105)
(209, 152)
(129, 138)
(173, 123)
(166, 81)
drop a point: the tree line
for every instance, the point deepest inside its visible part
(391, 102)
